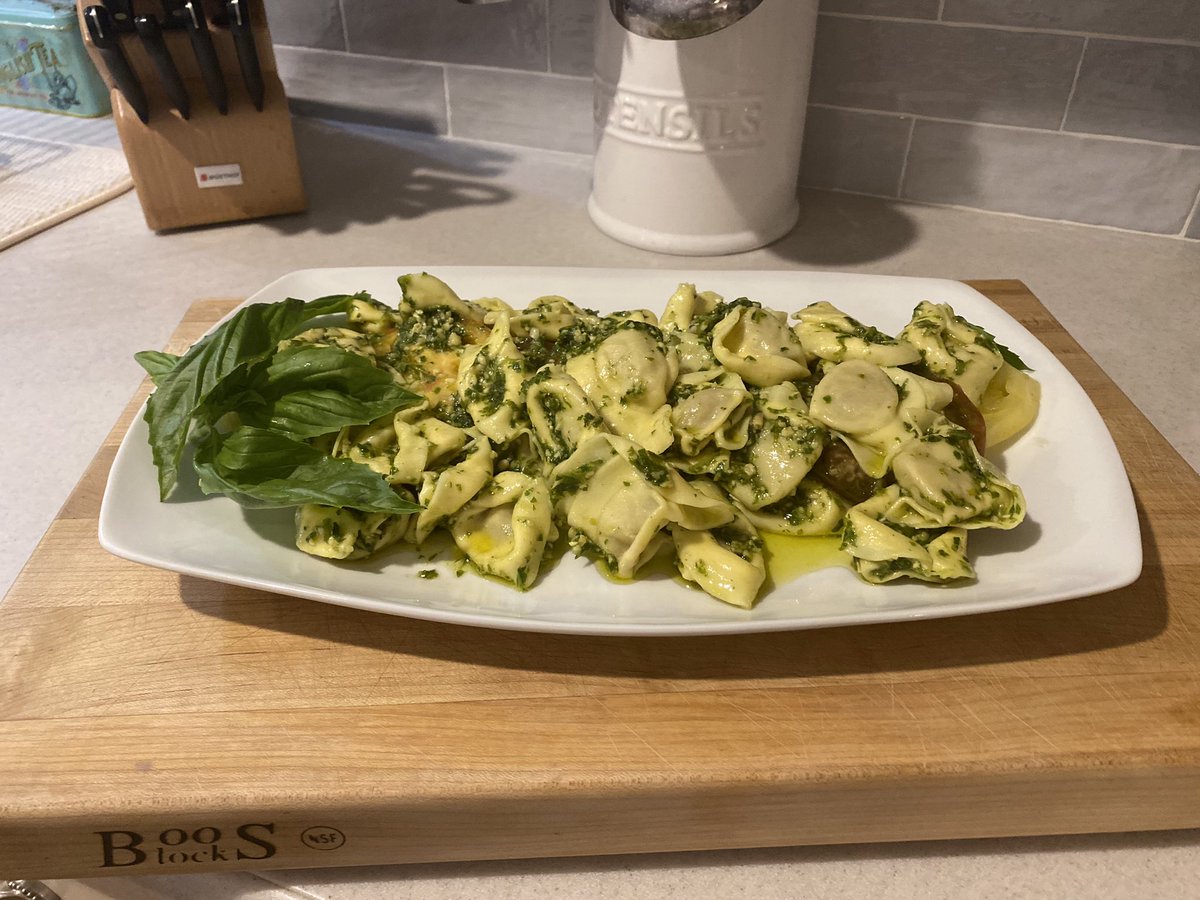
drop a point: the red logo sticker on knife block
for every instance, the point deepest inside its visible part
(218, 176)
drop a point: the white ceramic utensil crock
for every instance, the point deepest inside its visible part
(698, 140)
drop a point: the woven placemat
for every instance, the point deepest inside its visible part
(44, 182)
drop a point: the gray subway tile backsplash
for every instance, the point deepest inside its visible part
(551, 111)
(572, 31)
(306, 23)
(854, 151)
(1140, 90)
(1163, 19)
(364, 88)
(977, 74)
(950, 73)
(1143, 186)
(905, 9)
(508, 35)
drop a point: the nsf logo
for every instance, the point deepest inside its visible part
(322, 837)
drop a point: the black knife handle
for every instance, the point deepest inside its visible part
(150, 32)
(104, 38)
(206, 53)
(247, 52)
(121, 12)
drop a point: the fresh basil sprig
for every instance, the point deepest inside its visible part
(262, 468)
(280, 398)
(156, 363)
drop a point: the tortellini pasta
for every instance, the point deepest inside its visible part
(828, 333)
(876, 410)
(627, 377)
(884, 550)
(560, 414)
(505, 528)
(785, 443)
(687, 436)
(726, 562)
(954, 348)
(757, 344)
(489, 382)
(617, 497)
(711, 407)
(346, 533)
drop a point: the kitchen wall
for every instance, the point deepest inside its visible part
(1082, 110)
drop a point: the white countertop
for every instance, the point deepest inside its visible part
(80, 299)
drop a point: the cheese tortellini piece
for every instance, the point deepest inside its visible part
(489, 382)
(690, 435)
(617, 497)
(811, 509)
(711, 407)
(758, 345)
(505, 528)
(726, 562)
(954, 348)
(943, 480)
(783, 446)
(686, 304)
(827, 332)
(346, 533)
(443, 493)
(560, 414)
(877, 410)
(627, 378)
(882, 550)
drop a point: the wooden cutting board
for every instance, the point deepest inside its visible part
(156, 723)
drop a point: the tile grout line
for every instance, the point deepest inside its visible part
(406, 61)
(1192, 217)
(1082, 134)
(941, 9)
(1016, 29)
(345, 28)
(483, 68)
(549, 66)
(912, 129)
(446, 100)
(1009, 215)
(1062, 124)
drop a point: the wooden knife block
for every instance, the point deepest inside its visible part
(165, 154)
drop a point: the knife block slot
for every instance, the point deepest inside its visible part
(209, 168)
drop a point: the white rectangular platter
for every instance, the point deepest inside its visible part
(1066, 463)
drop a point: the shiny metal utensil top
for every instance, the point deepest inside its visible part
(678, 20)
(20, 889)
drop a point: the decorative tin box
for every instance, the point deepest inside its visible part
(43, 64)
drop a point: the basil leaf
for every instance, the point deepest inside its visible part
(250, 336)
(315, 367)
(308, 414)
(156, 363)
(272, 470)
(324, 388)
(208, 477)
(989, 340)
(1011, 358)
